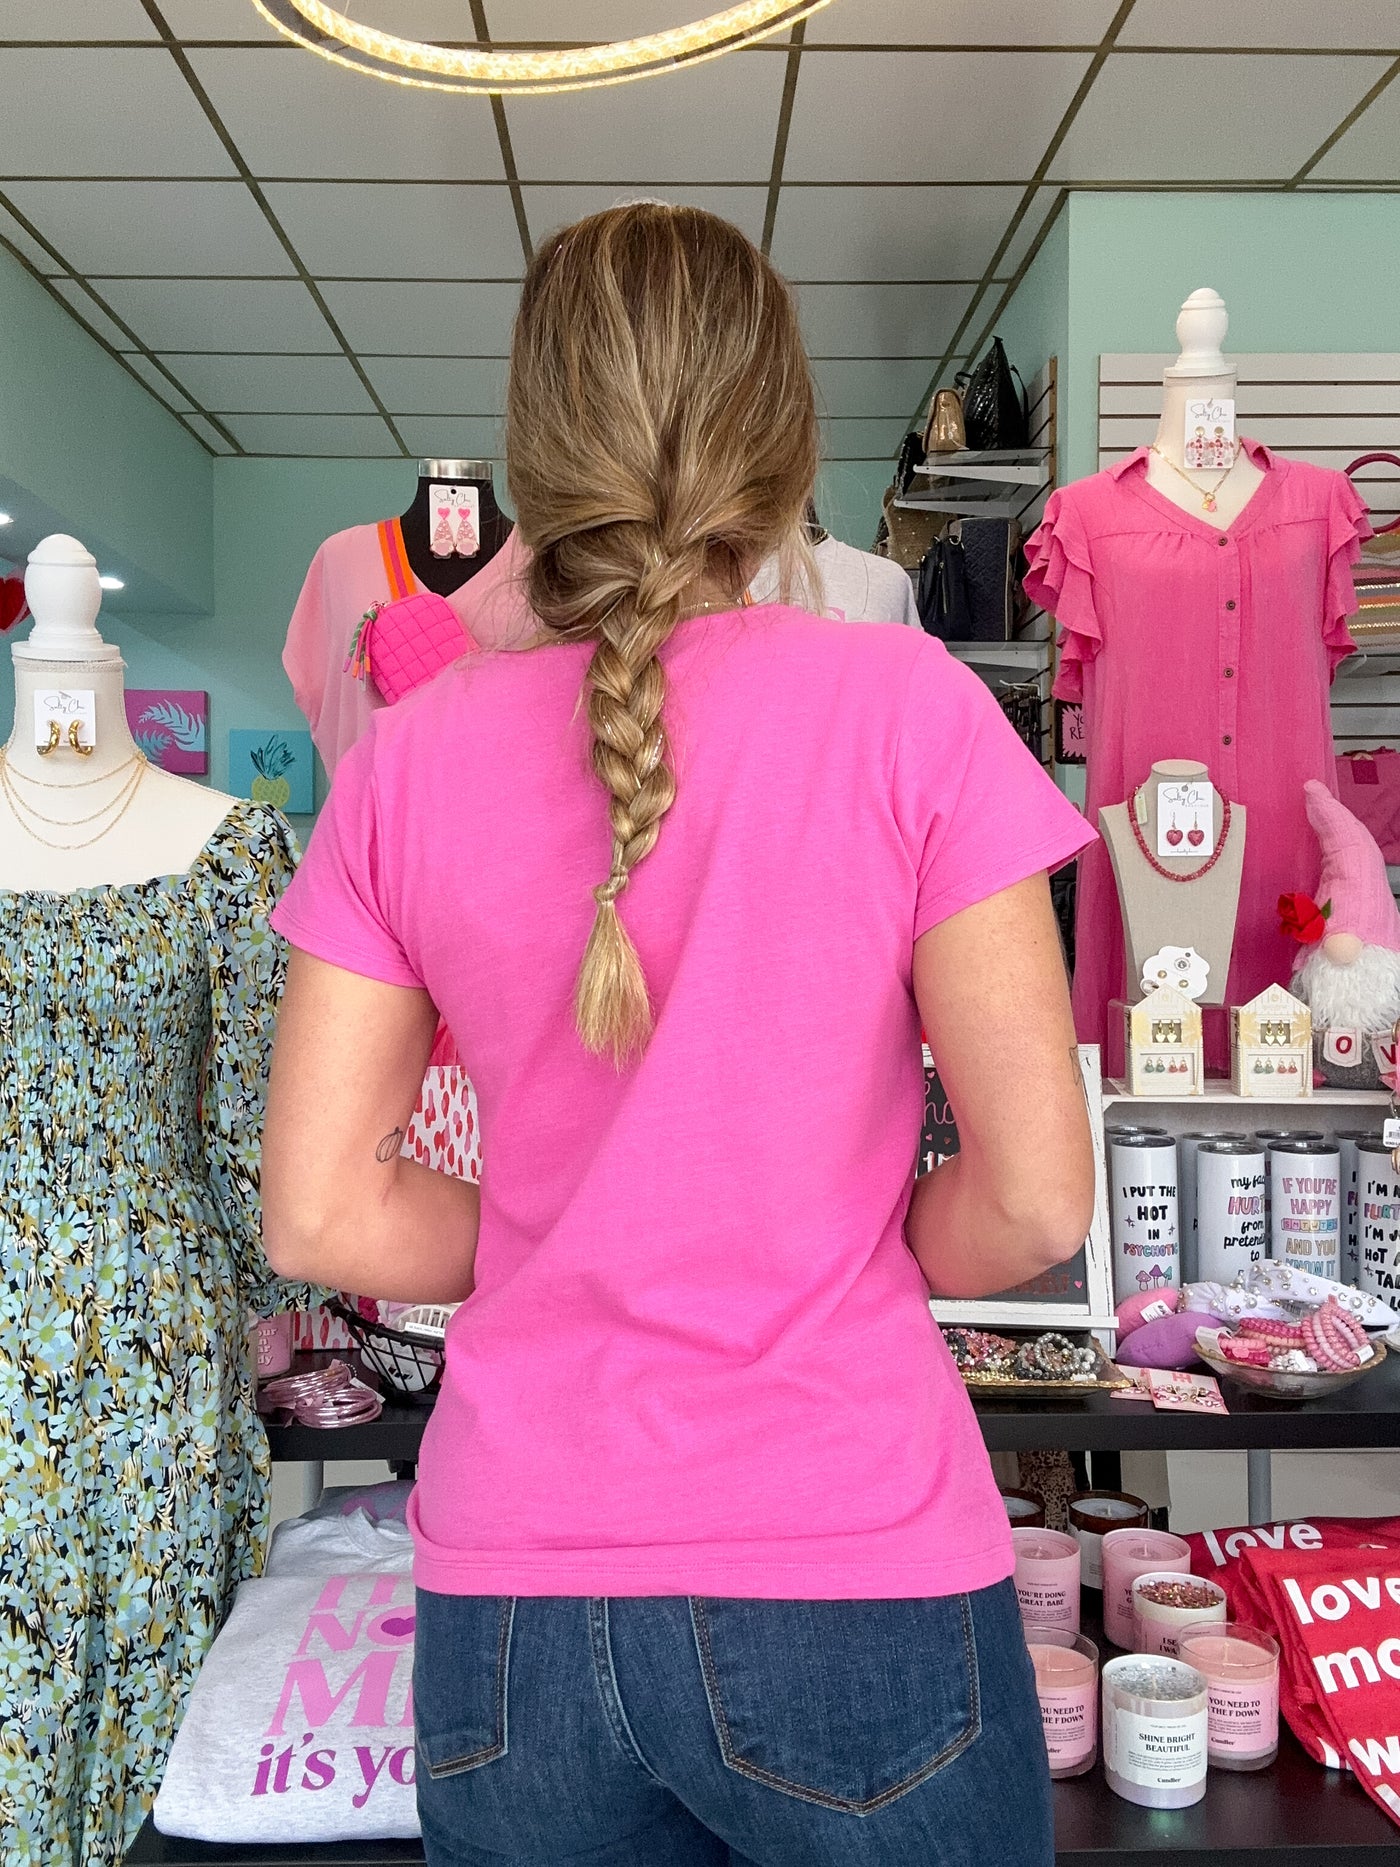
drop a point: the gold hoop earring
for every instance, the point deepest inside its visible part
(52, 746)
(75, 739)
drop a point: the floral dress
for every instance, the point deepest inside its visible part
(136, 1024)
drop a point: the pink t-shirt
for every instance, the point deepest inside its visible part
(699, 1357)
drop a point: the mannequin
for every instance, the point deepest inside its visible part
(443, 575)
(1158, 913)
(148, 822)
(1200, 370)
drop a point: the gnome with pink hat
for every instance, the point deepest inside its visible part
(1348, 971)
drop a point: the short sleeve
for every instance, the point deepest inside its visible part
(242, 872)
(308, 646)
(336, 908)
(977, 812)
(1348, 528)
(1060, 580)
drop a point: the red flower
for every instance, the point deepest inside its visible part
(1302, 919)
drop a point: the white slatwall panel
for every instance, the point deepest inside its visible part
(1324, 408)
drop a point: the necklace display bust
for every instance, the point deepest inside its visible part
(1201, 370)
(74, 818)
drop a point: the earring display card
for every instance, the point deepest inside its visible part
(1186, 820)
(273, 768)
(171, 726)
(64, 707)
(1209, 437)
(456, 520)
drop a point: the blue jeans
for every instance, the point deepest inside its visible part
(658, 1731)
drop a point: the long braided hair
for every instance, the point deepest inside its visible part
(661, 441)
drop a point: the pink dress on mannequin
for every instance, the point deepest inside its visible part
(1184, 641)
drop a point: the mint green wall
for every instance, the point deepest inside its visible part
(1035, 325)
(84, 447)
(1297, 272)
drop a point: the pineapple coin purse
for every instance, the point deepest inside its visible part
(402, 644)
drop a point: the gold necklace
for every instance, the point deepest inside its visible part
(1208, 499)
(78, 784)
(122, 803)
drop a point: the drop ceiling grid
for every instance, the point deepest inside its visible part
(295, 259)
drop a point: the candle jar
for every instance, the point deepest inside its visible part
(1067, 1685)
(1166, 1603)
(1026, 1509)
(1127, 1554)
(1092, 1515)
(272, 1345)
(1240, 1665)
(1047, 1578)
(1154, 1731)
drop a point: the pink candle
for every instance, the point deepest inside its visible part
(1241, 1668)
(1047, 1578)
(1127, 1554)
(1066, 1683)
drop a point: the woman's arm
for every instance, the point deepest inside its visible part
(1019, 1195)
(341, 1206)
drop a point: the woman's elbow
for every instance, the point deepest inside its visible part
(1061, 1217)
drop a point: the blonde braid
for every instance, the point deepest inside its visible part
(661, 440)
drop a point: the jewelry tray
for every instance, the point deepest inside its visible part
(1105, 1378)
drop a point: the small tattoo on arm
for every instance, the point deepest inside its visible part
(389, 1147)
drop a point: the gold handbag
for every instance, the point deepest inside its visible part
(945, 433)
(911, 532)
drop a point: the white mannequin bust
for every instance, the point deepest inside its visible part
(1200, 369)
(1158, 913)
(70, 819)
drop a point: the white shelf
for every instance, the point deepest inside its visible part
(1115, 1090)
(1025, 650)
(1016, 466)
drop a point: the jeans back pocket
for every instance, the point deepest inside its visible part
(461, 1677)
(849, 1704)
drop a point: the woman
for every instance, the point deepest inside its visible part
(711, 1565)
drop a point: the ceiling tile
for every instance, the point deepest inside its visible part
(445, 437)
(1337, 26)
(1156, 118)
(1025, 235)
(711, 122)
(862, 439)
(11, 230)
(872, 387)
(156, 380)
(439, 385)
(94, 19)
(363, 435)
(1370, 150)
(293, 114)
(73, 294)
(404, 230)
(549, 208)
(207, 314)
(217, 19)
(103, 113)
(890, 233)
(963, 22)
(180, 227)
(952, 97)
(428, 320)
(880, 320)
(285, 385)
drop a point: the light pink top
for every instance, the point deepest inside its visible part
(1187, 642)
(347, 574)
(699, 1356)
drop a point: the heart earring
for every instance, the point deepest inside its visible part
(442, 535)
(1195, 836)
(1173, 835)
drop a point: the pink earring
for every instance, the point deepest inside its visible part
(1195, 836)
(442, 535)
(467, 542)
(1173, 834)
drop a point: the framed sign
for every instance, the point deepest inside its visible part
(1075, 1295)
(1069, 732)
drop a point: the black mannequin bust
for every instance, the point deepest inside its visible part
(443, 575)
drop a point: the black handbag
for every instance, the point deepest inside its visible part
(968, 582)
(995, 413)
(911, 455)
